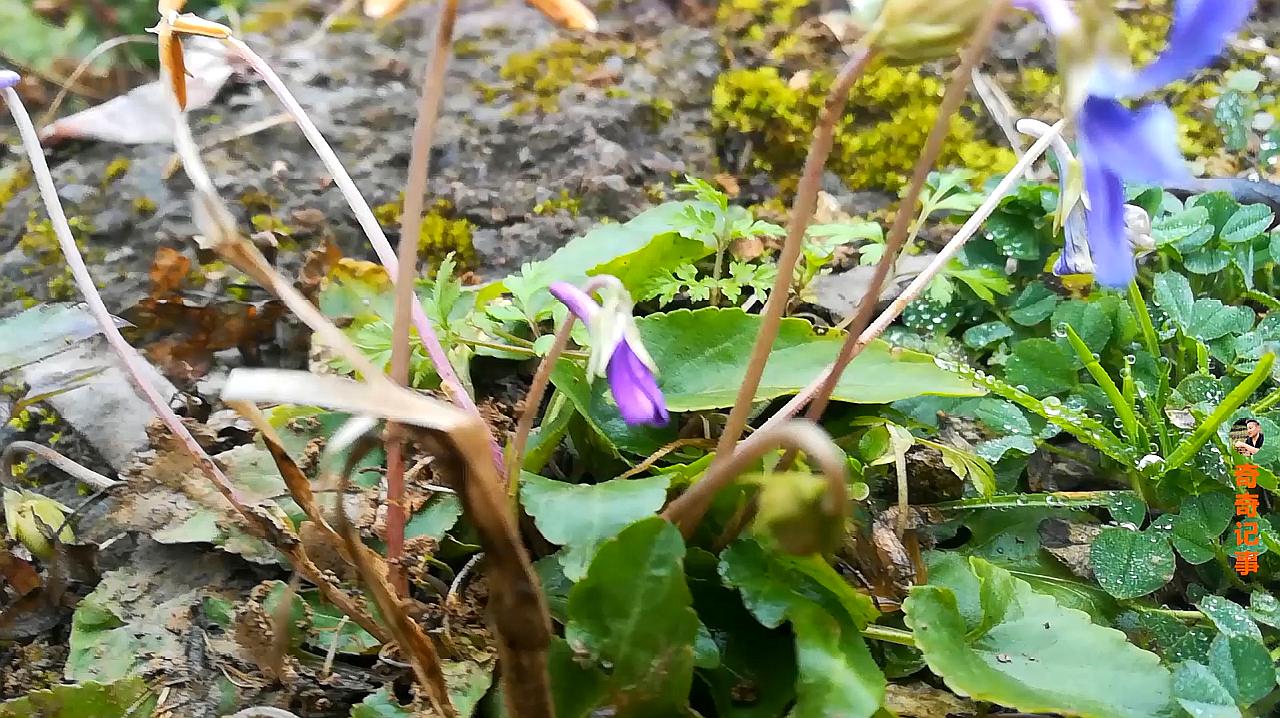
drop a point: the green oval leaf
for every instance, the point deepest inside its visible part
(633, 616)
(580, 516)
(702, 358)
(1030, 653)
(1129, 564)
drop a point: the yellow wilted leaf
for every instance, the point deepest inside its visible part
(191, 24)
(173, 62)
(570, 13)
(379, 9)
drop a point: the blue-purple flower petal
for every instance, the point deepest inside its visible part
(1201, 30)
(1113, 264)
(1138, 145)
(1075, 257)
(578, 301)
(9, 78)
(635, 389)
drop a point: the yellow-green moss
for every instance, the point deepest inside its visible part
(877, 141)
(14, 181)
(268, 223)
(564, 201)
(257, 201)
(144, 206)
(1146, 28)
(439, 233)
(115, 170)
(39, 243)
(537, 77)
(757, 19)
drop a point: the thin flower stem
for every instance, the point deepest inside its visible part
(801, 213)
(951, 101)
(532, 403)
(129, 358)
(889, 635)
(406, 299)
(795, 435)
(922, 280)
(369, 223)
(103, 47)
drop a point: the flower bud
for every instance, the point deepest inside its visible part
(29, 516)
(914, 31)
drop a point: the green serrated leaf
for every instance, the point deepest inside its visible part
(1034, 305)
(1201, 694)
(1042, 366)
(1207, 261)
(1026, 653)
(1183, 229)
(580, 516)
(1243, 666)
(1230, 617)
(984, 335)
(1199, 524)
(1130, 563)
(1248, 222)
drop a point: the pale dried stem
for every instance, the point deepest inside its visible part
(216, 221)
(65, 87)
(407, 256)
(414, 644)
(369, 223)
(458, 441)
(692, 503)
(954, 97)
(922, 280)
(656, 456)
(133, 364)
(80, 473)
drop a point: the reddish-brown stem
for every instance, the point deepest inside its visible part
(922, 280)
(694, 502)
(951, 101)
(406, 271)
(532, 402)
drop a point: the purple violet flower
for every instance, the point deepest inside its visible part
(9, 78)
(1118, 144)
(616, 350)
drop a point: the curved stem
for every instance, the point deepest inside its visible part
(801, 214)
(83, 474)
(951, 101)
(532, 403)
(103, 47)
(922, 280)
(369, 223)
(407, 256)
(134, 365)
(796, 435)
